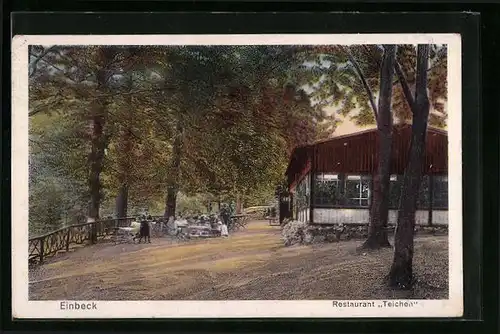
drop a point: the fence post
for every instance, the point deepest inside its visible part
(41, 249)
(93, 234)
(67, 239)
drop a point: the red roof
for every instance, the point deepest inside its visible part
(357, 153)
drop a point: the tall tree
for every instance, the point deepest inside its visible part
(98, 117)
(377, 234)
(125, 149)
(260, 118)
(350, 75)
(191, 80)
(66, 77)
(347, 78)
(401, 273)
(196, 119)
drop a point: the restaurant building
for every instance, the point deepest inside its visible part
(330, 181)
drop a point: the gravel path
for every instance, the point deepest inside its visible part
(251, 264)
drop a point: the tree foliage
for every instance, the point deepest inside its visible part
(212, 121)
(335, 81)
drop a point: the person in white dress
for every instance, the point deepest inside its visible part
(224, 232)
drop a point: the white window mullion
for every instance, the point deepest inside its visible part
(360, 190)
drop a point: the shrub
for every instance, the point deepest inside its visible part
(295, 232)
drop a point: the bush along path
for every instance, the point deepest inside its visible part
(296, 232)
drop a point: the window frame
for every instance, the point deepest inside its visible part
(424, 196)
(342, 200)
(436, 178)
(360, 178)
(317, 200)
(427, 204)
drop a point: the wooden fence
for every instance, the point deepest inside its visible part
(68, 237)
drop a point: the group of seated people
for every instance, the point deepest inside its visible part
(216, 222)
(212, 221)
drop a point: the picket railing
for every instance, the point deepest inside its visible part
(65, 238)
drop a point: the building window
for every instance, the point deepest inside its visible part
(326, 189)
(440, 190)
(396, 187)
(423, 193)
(357, 190)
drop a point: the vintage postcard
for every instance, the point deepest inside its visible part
(237, 176)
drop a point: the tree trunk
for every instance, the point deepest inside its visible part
(99, 138)
(125, 149)
(96, 159)
(173, 177)
(401, 273)
(122, 201)
(239, 204)
(377, 233)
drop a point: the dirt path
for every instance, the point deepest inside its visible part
(252, 264)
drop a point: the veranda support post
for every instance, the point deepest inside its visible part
(312, 190)
(431, 196)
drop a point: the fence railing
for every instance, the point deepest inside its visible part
(65, 238)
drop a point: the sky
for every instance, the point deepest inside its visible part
(346, 126)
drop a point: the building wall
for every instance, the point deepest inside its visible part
(303, 215)
(440, 217)
(361, 216)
